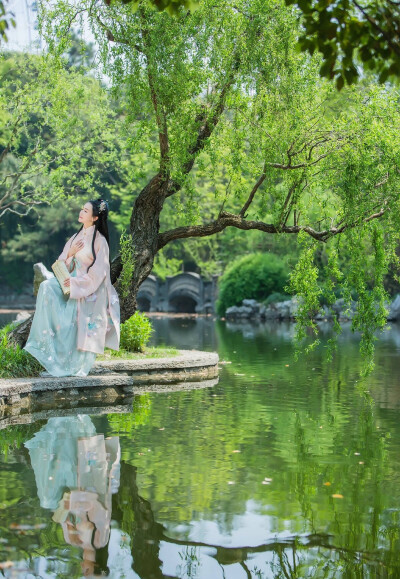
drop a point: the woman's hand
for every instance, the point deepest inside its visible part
(67, 282)
(75, 247)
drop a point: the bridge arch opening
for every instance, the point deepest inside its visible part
(143, 304)
(182, 305)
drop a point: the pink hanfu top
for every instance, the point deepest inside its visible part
(98, 303)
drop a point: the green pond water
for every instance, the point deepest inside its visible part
(281, 469)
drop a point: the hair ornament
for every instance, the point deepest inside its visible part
(103, 206)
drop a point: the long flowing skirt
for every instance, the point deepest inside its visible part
(53, 335)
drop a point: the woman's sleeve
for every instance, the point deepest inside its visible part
(85, 284)
(63, 255)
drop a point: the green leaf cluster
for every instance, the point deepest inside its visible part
(7, 19)
(135, 333)
(127, 260)
(56, 137)
(253, 276)
(172, 7)
(352, 36)
(15, 362)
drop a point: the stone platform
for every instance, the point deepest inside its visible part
(121, 377)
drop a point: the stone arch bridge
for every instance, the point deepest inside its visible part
(183, 293)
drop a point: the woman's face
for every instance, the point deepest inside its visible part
(86, 215)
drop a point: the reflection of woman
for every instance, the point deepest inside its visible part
(66, 334)
(67, 452)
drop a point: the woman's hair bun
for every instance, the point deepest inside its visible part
(100, 207)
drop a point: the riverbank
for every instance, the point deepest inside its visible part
(125, 376)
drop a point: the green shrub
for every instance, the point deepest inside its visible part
(15, 362)
(253, 276)
(276, 297)
(135, 333)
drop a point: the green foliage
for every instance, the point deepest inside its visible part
(54, 138)
(351, 35)
(371, 312)
(164, 266)
(7, 19)
(276, 297)
(13, 438)
(135, 333)
(127, 423)
(304, 284)
(126, 253)
(15, 362)
(172, 7)
(253, 276)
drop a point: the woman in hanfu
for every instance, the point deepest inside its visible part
(68, 332)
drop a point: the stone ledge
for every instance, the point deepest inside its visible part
(127, 374)
(100, 400)
(187, 359)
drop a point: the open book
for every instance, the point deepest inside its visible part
(61, 272)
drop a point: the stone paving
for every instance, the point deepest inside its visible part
(129, 376)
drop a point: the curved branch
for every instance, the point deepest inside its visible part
(231, 220)
(112, 38)
(299, 165)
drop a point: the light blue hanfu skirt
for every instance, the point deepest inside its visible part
(53, 335)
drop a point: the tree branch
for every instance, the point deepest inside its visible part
(231, 220)
(291, 167)
(207, 121)
(253, 192)
(159, 112)
(112, 38)
(389, 39)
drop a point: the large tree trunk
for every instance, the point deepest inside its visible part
(145, 227)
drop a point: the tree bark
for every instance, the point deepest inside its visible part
(144, 226)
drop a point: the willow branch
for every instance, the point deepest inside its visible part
(7, 148)
(160, 114)
(253, 192)
(231, 220)
(290, 167)
(207, 121)
(112, 38)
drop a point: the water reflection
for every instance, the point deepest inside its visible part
(67, 453)
(279, 470)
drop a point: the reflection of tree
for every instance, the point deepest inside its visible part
(292, 556)
(137, 519)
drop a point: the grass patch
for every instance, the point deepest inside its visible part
(18, 363)
(15, 362)
(148, 353)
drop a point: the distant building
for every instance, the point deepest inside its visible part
(183, 293)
